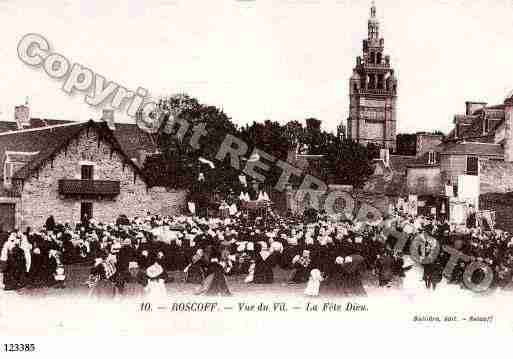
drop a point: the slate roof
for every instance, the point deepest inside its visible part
(472, 128)
(400, 163)
(6, 126)
(44, 140)
(423, 161)
(473, 148)
(50, 140)
(132, 139)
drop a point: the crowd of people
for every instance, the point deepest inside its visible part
(136, 257)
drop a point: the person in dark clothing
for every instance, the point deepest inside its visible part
(385, 269)
(122, 220)
(195, 271)
(303, 267)
(50, 223)
(215, 281)
(265, 261)
(344, 278)
(15, 272)
(37, 274)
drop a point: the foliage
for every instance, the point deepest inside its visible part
(216, 126)
(344, 162)
(347, 162)
(406, 144)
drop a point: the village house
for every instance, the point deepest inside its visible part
(480, 144)
(75, 169)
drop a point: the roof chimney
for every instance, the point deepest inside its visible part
(472, 106)
(22, 115)
(108, 117)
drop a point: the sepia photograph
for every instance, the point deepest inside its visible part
(253, 167)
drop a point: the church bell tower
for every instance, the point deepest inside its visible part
(373, 93)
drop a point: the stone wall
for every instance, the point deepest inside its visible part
(496, 176)
(376, 200)
(502, 205)
(427, 142)
(451, 166)
(374, 131)
(423, 180)
(40, 198)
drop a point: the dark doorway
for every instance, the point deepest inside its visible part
(472, 165)
(86, 210)
(87, 172)
(7, 217)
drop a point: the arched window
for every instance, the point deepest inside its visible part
(381, 84)
(378, 58)
(372, 82)
(371, 60)
(355, 87)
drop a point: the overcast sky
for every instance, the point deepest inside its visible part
(281, 59)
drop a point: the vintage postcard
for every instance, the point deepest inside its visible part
(249, 167)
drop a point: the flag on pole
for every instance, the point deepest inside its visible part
(205, 161)
(192, 207)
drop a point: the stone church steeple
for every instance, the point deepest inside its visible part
(373, 92)
(373, 23)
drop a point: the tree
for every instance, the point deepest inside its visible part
(347, 162)
(294, 132)
(179, 150)
(271, 138)
(406, 144)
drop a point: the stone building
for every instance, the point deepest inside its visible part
(480, 144)
(71, 169)
(373, 93)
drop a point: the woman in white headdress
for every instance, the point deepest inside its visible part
(413, 282)
(156, 287)
(302, 265)
(314, 283)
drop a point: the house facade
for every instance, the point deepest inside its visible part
(480, 144)
(73, 170)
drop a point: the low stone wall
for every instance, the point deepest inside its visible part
(496, 176)
(378, 201)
